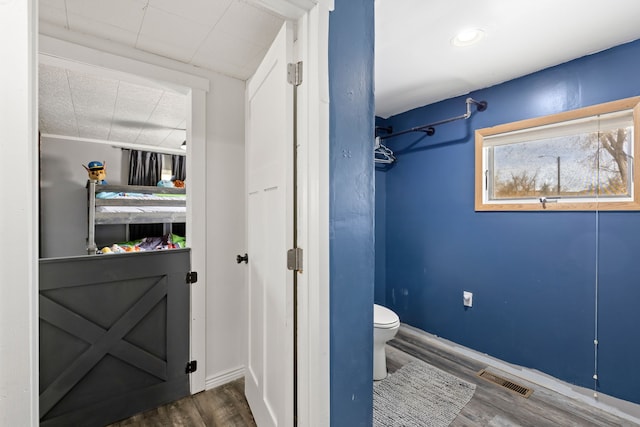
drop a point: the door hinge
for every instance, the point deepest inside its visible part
(192, 277)
(294, 259)
(191, 367)
(294, 73)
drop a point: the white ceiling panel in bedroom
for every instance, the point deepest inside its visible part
(80, 104)
(93, 101)
(56, 114)
(133, 108)
(166, 117)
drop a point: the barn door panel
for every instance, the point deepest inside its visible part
(114, 336)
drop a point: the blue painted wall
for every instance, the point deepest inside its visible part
(533, 274)
(351, 130)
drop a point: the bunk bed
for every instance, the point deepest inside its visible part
(132, 204)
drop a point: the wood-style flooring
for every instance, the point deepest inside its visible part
(491, 405)
(223, 406)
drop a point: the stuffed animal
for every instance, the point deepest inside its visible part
(178, 184)
(97, 171)
(165, 183)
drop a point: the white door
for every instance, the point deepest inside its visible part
(269, 165)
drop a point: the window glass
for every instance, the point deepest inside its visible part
(166, 167)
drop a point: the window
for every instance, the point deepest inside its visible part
(167, 172)
(577, 160)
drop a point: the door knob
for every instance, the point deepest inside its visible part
(241, 258)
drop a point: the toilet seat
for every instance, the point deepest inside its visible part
(383, 318)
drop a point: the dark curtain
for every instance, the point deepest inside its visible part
(145, 168)
(178, 167)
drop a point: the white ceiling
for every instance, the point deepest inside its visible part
(415, 62)
(226, 36)
(87, 105)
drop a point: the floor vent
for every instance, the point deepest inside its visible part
(503, 382)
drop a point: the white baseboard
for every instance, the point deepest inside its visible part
(223, 377)
(621, 408)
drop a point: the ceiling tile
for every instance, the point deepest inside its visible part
(134, 105)
(124, 134)
(250, 24)
(222, 51)
(176, 137)
(53, 12)
(253, 63)
(204, 12)
(102, 30)
(168, 115)
(55, 108)
(162, 48)
(226, 68)
(91, 128)
(170, 35)
(123, 14)
(56, 4)
(93, 101)
(170, 111)
(152, 136)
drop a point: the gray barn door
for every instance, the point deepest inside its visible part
(114, 335)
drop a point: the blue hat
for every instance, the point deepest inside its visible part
(95, 165)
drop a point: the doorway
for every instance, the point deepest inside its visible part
(194, 89)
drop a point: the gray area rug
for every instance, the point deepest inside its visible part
(419, 394)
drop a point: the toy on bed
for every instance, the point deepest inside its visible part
(171, 183)
(167, 183)
(168, 241)
(97, 171)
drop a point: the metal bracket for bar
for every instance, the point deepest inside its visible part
(430, 130)
(294, 259)
(192, 277)
(294, 73)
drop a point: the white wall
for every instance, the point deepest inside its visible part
(63, 199)
(18, 219)
(224, 213)
(226, 336)
(226, 296)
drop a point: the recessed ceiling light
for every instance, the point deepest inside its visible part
(468, 37)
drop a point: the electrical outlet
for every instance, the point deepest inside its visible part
(467, 298)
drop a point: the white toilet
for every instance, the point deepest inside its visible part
(385, 327)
